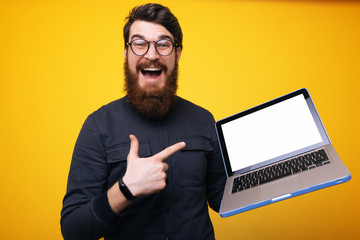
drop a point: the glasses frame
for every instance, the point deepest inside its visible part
(148, 42)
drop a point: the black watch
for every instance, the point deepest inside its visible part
(126, 191)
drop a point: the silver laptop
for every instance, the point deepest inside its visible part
(276, 151)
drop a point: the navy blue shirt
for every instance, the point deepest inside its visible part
(195, 178)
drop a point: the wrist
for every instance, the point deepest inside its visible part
(118, 203)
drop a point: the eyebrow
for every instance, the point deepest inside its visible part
(164, 36)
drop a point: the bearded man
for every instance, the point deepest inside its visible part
(147, 165)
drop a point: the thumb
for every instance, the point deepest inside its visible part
(134, 148)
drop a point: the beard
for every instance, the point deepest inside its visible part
(152, 102)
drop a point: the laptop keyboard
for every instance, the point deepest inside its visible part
(286, 168)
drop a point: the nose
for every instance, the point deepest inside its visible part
(152, 54)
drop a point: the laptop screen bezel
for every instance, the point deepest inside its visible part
(315, 115)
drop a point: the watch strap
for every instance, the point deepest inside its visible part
(125, 190)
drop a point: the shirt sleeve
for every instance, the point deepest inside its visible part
(86, 212)
(216, 176)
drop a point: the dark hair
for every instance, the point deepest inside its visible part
(153, 12)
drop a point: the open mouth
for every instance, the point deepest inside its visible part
(151, 72)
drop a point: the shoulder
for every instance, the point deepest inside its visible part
(188, 111)
(186, 105)
(190, 106)
(109, 109)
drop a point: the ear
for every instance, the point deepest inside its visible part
(178, 54)
(125, 52)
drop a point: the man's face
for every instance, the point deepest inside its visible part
(151, 79)
(151, 69)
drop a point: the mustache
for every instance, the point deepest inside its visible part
(148, 64)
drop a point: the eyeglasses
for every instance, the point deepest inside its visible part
(140, 47)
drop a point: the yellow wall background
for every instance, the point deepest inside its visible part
(61, 60)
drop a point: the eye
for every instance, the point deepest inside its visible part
(139, 43)
(163, 44)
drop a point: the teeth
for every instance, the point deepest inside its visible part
(152, 69)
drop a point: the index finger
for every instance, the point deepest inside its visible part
(167, 152)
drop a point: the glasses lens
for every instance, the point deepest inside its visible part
(164, 47)
(139, 46)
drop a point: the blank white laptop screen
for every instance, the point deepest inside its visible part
(269, 133)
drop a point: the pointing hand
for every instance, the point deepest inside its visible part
(147, 175)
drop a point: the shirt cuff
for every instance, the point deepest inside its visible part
(103, 210)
